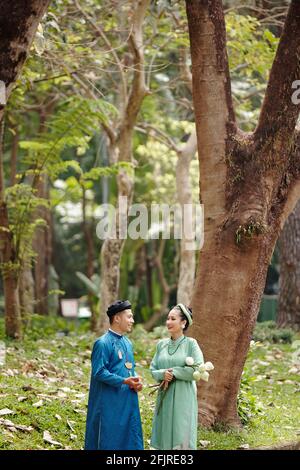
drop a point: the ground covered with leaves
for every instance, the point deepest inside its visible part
(45, 380)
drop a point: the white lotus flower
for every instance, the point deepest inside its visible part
(196, 375)
(189, 361)
(209, 366)
(204, 376)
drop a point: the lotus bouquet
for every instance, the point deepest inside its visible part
(200, 371)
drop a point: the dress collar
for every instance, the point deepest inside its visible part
(175, 341)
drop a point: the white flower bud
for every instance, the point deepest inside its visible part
(209, 366)
(201, 368)
(189, 361)
(196, 375)
(204, 376)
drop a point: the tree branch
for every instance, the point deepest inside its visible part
(138, 88)
(214, 114)
(160, 136)
(278, 110)
(100, 31)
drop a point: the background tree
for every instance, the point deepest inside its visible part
(17, 29)
(289, 293)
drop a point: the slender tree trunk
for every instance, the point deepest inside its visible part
(149, 269)
(14, 157)
(112, 249)
(166, 289)
(120, 150)
(184, 193)
(42, 245)
(88, 234)
(8, 259)
(26, 284)
(249, 184)
(289, 281)
(26, 293)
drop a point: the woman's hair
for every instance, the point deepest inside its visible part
(183, 316)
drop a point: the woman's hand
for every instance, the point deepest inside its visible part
(168, 375)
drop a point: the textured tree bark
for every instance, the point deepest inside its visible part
(184, 194)
(248, 183)
(289, 281)
(18, 24)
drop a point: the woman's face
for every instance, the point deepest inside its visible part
(174, 322)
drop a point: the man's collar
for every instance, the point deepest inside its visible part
(114, 332)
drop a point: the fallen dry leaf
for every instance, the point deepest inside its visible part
(38, 404)
(204, 443)
(6, 411)
(20, 399)
(12, 426)
(70, 425)
(244, 446)
(48, 438)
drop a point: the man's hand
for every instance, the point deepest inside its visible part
(134, 383)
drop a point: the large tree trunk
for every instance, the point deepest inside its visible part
(248, 184)
(289, 281)
(184, 194)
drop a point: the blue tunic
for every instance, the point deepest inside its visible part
(113, 417)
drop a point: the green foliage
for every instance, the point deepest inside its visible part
(22, 204)
(248, 231)
(268, 331)
(39, 326)
(73, 125)
(248, 405)
(251, 51)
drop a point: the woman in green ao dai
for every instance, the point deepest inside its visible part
(176, 413)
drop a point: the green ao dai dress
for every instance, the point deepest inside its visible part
(176, 414)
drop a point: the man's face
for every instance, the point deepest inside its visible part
(125, 320)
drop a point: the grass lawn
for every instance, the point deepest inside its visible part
(45, 379)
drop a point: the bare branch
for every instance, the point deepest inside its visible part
(185, 70)
(100, 31)
(159, 135)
